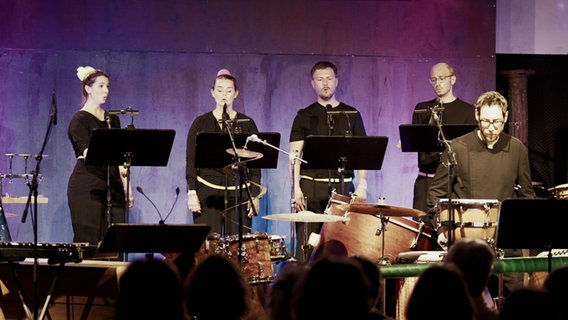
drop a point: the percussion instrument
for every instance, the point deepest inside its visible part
(560, 191)
(255, 259)
(361, 235)
(278, 250)
(305, 216)
(473, 218)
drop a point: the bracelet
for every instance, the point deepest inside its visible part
(190, 192)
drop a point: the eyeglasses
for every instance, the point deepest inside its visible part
(496, 123)
(439, 78)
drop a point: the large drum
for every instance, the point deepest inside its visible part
(361, 235)
(255, 261)
(473, 218)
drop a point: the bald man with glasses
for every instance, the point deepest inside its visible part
(455, 111)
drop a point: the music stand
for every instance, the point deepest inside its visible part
(152, 238)
(424, 137)
(128, 147)
(344, 152)
(210, 149)
(143, 147)
(532, 224)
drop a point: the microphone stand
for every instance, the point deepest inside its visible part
(293, 158)
(450, 164)
(240, 177)
(33, 186)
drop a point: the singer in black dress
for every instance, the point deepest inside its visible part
(209, 188)
(87, 187)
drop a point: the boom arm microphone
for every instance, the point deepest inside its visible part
(139, 189)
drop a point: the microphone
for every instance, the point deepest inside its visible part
(172, 208)
(54, 109)
(139, 189)
(253, 138)
(128, 110)
(224, 118)
(329, 116)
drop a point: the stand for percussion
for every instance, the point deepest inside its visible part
(435, 138)
(219, 150)
(128, 147)
(344, 154)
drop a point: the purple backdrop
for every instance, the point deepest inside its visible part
(163, 55)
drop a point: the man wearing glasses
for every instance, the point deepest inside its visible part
(489, 164)
(451, 110)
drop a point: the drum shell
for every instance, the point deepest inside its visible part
(255, 261)
(361, 235)
(476, 219)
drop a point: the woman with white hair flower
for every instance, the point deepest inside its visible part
(87, 187)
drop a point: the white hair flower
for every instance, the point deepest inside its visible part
(84, 72)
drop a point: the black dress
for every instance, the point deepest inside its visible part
(212, 200)
(87, 187)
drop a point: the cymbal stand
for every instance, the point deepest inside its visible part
(384, 220)
(450, 164)
(293, 157)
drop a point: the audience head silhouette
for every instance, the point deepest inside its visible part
(217, 290)
(440, 293)
(150, 289)
(332, 289)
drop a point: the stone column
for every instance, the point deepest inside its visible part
(518, 106)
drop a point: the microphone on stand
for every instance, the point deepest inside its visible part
(225, 118)
(329, 117)
(139, 189)
(54, 109)
(172, 208)
(252, 137)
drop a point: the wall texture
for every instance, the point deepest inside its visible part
(162, 57)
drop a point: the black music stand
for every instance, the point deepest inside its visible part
(136, 147)
(129, 147)
(154, 238)
(424, 137)
(344, 152)
(532, 224)
(211, 149)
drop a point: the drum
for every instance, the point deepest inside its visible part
(256, 261)
(473, 218)
(559, 192)
(213, 244)
(361, 235)
(278, 250)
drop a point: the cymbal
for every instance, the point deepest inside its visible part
(377, 209)
(305, 216)
(10, 215)
(244, 153)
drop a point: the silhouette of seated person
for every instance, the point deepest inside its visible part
(373, 274)
(440, 293)
(150, 289)
(529, 303)
(556, 283)
(279, 304)
(217, 290)
(475, 258)
(333, 288)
